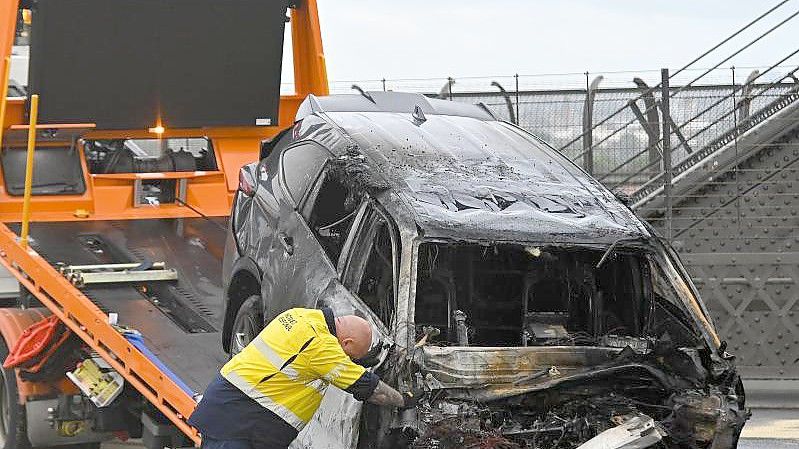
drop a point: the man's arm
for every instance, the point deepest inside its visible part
(385, 395)
(330, 363)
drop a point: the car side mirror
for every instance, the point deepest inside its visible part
(268, 145)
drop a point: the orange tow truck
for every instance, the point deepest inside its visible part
(117, 173)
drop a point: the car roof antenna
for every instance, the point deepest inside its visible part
(365, 94)
(418, 115)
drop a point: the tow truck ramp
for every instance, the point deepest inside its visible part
(179, 321)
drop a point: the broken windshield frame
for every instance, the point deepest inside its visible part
(687, 292)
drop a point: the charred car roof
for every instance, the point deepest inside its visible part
(466, 175)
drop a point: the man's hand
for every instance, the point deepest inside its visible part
(385, 395)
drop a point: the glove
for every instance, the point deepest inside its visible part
(412, 398)
(411, 401)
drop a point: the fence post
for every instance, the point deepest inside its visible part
(588, 124)
(667, 169)
(450, 81)
(384, 84)
(508, 102)
(517, 99)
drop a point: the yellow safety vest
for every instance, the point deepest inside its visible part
(289, 365)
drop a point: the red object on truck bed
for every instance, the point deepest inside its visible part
(36, 344)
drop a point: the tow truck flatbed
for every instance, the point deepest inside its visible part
(180, 321)
(118, 188)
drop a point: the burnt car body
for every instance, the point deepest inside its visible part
(531, 307)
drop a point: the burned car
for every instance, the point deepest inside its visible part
(530, 306)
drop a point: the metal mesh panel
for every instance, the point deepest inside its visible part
(551, 106)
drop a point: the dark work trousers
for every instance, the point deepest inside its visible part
(210, 443)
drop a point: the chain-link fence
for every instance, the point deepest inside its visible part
(554, 107)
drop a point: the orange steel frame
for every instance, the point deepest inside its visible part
(110, 197)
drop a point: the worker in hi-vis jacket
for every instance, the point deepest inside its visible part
(270, 390)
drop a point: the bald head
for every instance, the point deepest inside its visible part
(354, 334)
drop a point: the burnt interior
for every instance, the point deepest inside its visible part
(515, 295)
(655, 389)
(331, 213)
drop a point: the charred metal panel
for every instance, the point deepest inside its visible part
(130, 64)
(488, 179)
(578, 402)
(497, 372)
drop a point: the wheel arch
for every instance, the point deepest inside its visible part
(245, 281)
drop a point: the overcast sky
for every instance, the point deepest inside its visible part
(437, 38)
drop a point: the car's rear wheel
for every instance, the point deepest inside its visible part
(248, 323)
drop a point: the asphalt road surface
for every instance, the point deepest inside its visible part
(767, 429)
(768, 444)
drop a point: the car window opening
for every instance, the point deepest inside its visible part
(377, 284)
(150, 155)
(515, 295)
(332, 214)
(301, 166)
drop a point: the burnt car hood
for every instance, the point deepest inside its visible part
(486, 179)
(493, 373)
(594, 397)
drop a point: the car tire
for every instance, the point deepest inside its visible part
(12, 414)
(247, 325)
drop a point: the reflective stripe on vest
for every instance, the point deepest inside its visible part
(279, 410)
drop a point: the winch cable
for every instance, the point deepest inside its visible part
(183, 203)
